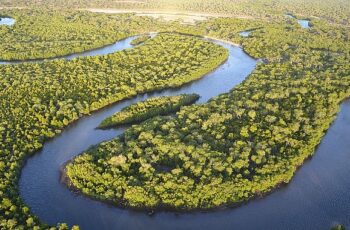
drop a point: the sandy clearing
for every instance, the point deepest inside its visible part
(186, 17)
(163, 12)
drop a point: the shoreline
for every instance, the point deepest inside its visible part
(122, 204)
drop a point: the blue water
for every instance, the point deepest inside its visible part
(7, 21)
(304, 23)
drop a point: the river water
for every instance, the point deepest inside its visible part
(108, 49)
(317, 197)
(122, 44)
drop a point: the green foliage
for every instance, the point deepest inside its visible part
(141, 111)
(238, 145)
(39, 34)
(38, 100)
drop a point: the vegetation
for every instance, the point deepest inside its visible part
(338, 227)
(139, 40)
(238, 145)
(141, 111)
(37, 100)
(43, 34)
(39, 34)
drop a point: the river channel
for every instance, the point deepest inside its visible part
(317, 197)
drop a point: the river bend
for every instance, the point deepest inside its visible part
(317, 197)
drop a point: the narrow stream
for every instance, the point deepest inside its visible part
(108, 49)
(317, 197)
(120, 45)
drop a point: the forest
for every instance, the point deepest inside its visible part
(38, 35)
(255, 136)
(39, 99)
(239, 145)
(141, 111)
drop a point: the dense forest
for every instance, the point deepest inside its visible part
(149, 108)
(38, 100)
(254, 137)
(238, 145)
(39, 34)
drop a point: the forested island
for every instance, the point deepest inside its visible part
(237, 146)
(149, 108)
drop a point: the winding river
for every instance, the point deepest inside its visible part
(316, 198)
(108, 49)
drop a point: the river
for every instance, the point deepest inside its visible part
(112, 48)
(317, 197)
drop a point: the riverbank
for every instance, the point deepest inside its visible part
(65, 180)
(79, 136)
